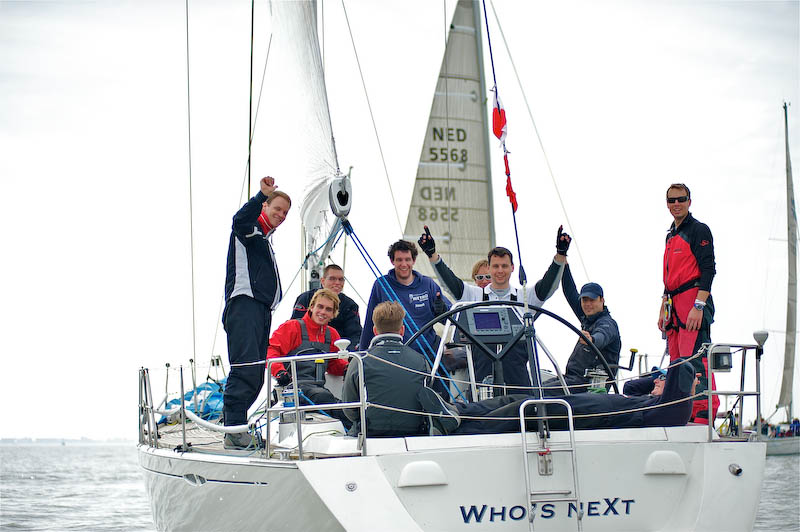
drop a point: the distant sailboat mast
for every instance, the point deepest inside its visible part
(452, 191)
(785, 399)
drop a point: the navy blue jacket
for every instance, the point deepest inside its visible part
(251, 269)
(347, 323)
(417, 298)
(602, 327)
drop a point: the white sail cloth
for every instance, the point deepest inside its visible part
(305, 122)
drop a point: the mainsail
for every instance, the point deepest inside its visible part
(452, 192)
(785, 399)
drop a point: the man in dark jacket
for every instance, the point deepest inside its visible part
(252, 291)
(347, 323)
(598, 326)
(393, 376)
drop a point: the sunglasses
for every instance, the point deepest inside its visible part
(679, 199)
(481, 277)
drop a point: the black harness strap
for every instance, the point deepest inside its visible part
(513, 296)
(694, 283)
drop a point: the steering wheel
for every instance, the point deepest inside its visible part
(483, 348)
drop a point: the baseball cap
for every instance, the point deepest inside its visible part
(592, 290)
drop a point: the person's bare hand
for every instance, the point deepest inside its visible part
(694, 319)
(268, 185)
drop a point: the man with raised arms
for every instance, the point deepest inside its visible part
(501, 266)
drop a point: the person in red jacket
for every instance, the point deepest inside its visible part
(687, 309)
(310, 334)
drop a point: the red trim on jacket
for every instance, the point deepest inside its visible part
(288, 336)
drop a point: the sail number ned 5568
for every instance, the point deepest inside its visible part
(443, 214)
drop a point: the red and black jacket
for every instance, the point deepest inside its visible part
(688, 257)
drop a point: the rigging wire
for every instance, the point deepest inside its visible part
(191, 213)
(250, 103)
(539, 138)
(500, 134)
(245, 180)
(446, 80)
(372, 117)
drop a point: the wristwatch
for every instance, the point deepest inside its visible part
(699, 305)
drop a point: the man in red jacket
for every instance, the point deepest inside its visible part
(310, 334)
(687, 309)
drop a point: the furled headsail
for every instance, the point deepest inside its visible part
(307, 120)
(452, 192)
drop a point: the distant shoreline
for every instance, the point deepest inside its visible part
(65, 441)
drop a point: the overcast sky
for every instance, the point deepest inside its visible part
(628, 97)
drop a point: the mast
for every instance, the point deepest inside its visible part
(452, 190)
(785, 399)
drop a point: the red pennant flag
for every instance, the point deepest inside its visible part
(499, 126)
(512, 196)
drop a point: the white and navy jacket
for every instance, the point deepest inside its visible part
(251, 269)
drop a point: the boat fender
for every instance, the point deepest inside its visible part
(664, 463)
(422, 473)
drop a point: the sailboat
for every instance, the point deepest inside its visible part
(788, 444)
(309, 475)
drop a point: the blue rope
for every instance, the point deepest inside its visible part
(312, 403)
(339, 233)
(426, 349)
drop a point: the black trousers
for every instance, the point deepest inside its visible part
(321, 395)
(247, 323)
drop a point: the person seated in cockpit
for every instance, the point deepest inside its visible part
(394, 374)
(672, 407)
(307, 335)
(598, 326)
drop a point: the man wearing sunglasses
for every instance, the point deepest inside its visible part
(687, 309)
(347, 323)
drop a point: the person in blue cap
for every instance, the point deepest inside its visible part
(598, 326)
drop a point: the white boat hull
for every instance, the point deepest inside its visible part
(629, 479)
(782, 446)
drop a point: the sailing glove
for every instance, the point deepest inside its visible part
(438, 305)
(426, 243)
(283, 377)
(562, 241)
